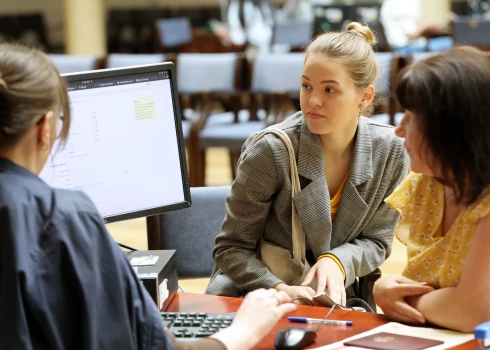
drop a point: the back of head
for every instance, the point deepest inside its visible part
(449, 94)
(30, 86)
(353, 47)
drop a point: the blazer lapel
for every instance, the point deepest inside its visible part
(352, 206)
(313, 202)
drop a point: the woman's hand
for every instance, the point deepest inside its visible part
(329, 275)
(391, 294)
(258, 314)
(299, 293)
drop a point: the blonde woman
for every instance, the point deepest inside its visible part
(347, 165)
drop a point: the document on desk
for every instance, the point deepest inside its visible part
(450, 338)
(149, 260)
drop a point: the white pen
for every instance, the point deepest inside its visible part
(319, 320)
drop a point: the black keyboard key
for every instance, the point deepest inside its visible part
(203, 334)
(167, 323)
(188, 325)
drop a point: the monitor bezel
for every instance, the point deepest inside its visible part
(148, 68)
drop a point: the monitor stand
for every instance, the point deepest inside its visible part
(153, 232)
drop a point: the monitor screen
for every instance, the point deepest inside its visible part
(125, 147)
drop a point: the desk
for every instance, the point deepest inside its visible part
(188, 302)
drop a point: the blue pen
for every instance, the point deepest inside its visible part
(319, 320)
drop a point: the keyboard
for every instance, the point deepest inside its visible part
(191, 325)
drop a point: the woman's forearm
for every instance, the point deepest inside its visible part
(446, 307)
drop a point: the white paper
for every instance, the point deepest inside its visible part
(450, 338)
(163, 292)
(144, 260)
(147, 275)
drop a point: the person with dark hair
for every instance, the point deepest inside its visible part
(445, 201)
(248, 23)
(64, 283)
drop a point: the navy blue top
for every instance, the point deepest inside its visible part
(64, 283)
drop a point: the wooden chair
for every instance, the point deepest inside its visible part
(75, 63)
(205, 80)
(472, 31)
(293, 34)
(385, 101)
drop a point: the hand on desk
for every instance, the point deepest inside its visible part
(300, 292)
(391, 294)
(329, 275)
(258, 314)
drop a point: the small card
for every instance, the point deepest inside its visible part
(144, 260)
(391, 341)
(324, 299)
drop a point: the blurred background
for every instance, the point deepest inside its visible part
(127, 25)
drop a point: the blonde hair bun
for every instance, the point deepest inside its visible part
(362, 30)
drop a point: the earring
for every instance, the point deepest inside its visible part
(359, 116)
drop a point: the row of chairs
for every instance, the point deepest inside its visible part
(226, 98)
(177, 35)
(132, 30)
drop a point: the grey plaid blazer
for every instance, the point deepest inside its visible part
(259, 205)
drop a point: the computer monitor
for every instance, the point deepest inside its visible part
(125, 147)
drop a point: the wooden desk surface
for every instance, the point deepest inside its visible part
(188, 302)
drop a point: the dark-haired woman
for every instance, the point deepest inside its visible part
(445, 202)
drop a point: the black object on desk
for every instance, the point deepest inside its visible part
(160, 279)
(192, 325)
(294, 338)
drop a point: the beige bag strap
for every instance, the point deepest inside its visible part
(299, 244)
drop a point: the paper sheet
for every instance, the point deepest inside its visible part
(144, 260)
(163, 292)
(450, 338)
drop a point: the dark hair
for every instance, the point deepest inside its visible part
(255, 3)
(449, 94)
(30, 86)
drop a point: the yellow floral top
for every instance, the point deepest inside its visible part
(433, 257)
